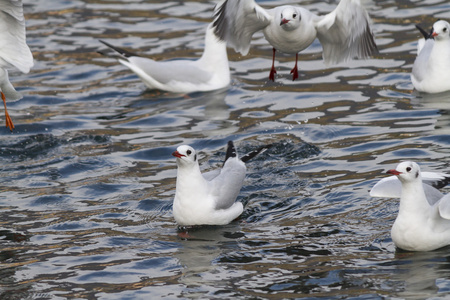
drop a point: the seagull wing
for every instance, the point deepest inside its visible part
(345, 33)
(437, 180)
(166, 71)
(424, 48)
(237, 20)
(226, 186)
(388, 187)
(14, 51)
(391, 187)
(444, 207)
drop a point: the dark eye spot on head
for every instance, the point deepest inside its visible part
(188, 152)
(195, 157)
(408, 169)
(417, 174)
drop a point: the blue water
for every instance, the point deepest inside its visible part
(87, 178)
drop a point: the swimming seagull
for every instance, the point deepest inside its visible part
(210, 72)
(430, 72)
(344, 33)
(14, 51)
(423, 220)
(209, 198)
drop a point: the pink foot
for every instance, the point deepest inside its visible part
(272, 70)
(294, 71)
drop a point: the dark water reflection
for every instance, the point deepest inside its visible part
(87, 179)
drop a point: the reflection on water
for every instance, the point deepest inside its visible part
(87, 178)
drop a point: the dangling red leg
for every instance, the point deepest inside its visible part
(8, 120)
(272, 70)
(294, 71)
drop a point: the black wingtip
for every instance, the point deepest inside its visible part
(441, 183)
(231, 151)
(121, 51)
(220, 20)
(422, 31)
(253, 153)
(425, 34)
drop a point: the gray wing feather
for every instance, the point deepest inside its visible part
(444, 207)
(14, 50)
(391, 187)
(226, 186)
(175, 70)
(237, 20)
(345, 33)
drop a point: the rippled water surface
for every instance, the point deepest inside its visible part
(87, 178)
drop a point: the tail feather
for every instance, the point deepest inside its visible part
(253, 153)
(123, 52)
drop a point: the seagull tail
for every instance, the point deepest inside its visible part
(253, 153)
(122, 52)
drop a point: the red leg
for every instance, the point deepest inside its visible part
(272, 70)
(8, 120)
(294, 71)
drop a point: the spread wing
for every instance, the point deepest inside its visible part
(345, 33)
(391, 187)
(14, 51)
(237, 20)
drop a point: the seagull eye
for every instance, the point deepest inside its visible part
(445, 29)
(188, 152)
(294, 16)
(408, 169)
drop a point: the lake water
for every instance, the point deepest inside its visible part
(87, 177)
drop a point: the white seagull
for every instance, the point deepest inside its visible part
(209, 198)
(14, 51)
(344, 33)
(430, 72)
(423, 220)
(210, 72)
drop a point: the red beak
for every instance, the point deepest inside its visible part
(393, 172)
(284, 21)
(434, 34)
(177, 154)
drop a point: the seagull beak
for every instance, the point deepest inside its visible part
(434, 34)
(393, 172)
(284, 21)
(177, 154)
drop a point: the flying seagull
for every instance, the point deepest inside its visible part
(344, 33)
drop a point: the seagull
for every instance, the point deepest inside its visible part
(210, 72)
(344, 33)
(430, 72)
(209, 198)
(14, 51)
(423, 220)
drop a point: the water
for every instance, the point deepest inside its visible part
(87, 178)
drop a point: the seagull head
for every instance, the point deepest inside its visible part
(289, 18)
(406, 171)
(185, 155)
(441, 30)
